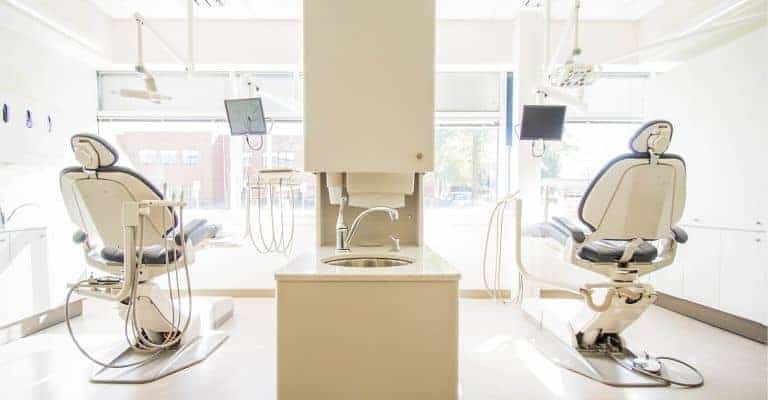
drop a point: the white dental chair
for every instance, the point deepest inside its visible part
(132, 234)
(628, 228)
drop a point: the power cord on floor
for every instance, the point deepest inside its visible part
(631, 366)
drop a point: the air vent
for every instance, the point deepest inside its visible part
(209, 3)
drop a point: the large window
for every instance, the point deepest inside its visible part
(184, 145)
(462, 190)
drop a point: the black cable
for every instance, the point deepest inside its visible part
(250, 146)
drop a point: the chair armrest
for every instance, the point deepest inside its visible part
(577, 234)
(679, 234)
(196, 231)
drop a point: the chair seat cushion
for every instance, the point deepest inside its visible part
(152, 255)
(611, 251)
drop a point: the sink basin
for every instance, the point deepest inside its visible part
(363, 261)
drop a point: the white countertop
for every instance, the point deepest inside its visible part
(426, 266)
(12, 228)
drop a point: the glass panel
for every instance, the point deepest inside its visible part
(585, 149)
(279, 91)
(613, 97)
(200, 93)
(467, 91)
(459, 196)
(193, 157)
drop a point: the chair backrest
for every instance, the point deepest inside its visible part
(95, 191)
(640, 194)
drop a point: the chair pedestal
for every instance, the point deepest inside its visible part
(168, 362)
(200, 341)
(554, 338)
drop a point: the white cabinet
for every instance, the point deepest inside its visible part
(720, 267)
(5, 256)
(700, 259)
(743, 276)
(369, 70)
(25, 279)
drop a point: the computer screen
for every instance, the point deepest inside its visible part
(542, 122)
(246, 116)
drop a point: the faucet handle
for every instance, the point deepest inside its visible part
(395, 243)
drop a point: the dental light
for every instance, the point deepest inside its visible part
(571, 74)
(150, 91)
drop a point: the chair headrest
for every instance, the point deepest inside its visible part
(653, 136)
(93, 152)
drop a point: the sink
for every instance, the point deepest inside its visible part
(363, 261)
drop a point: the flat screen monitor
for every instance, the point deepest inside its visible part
(542, 122)
(246, 116)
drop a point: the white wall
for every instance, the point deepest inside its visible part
(42, 71)
(717, 104)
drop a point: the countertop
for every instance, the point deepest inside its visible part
(9, 229)
(426, 266)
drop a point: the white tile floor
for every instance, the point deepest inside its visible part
(496, 360)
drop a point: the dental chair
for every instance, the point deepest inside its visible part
(627, 228)
(129, 231)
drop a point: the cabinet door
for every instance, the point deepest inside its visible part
(743, 275)
(369, 71)
(5, 256)
(700, 259)
(5, 279)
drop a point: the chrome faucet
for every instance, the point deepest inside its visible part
(344, 234)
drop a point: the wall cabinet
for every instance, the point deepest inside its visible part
(369, 71)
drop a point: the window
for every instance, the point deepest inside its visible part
(190, 157)
(184, 146)
(168, 157)
(461, 191)
(147, 157)
(585, 149)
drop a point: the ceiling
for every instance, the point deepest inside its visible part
(611, 10)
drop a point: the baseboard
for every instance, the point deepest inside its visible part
(481, 294)
(234, 292)
(463, 293)
(38, 322)
(720, 319)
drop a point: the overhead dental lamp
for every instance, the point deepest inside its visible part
(571, 74)
(150, 91)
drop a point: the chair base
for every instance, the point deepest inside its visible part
(552, 336)
(167, 363)
(601, 367)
